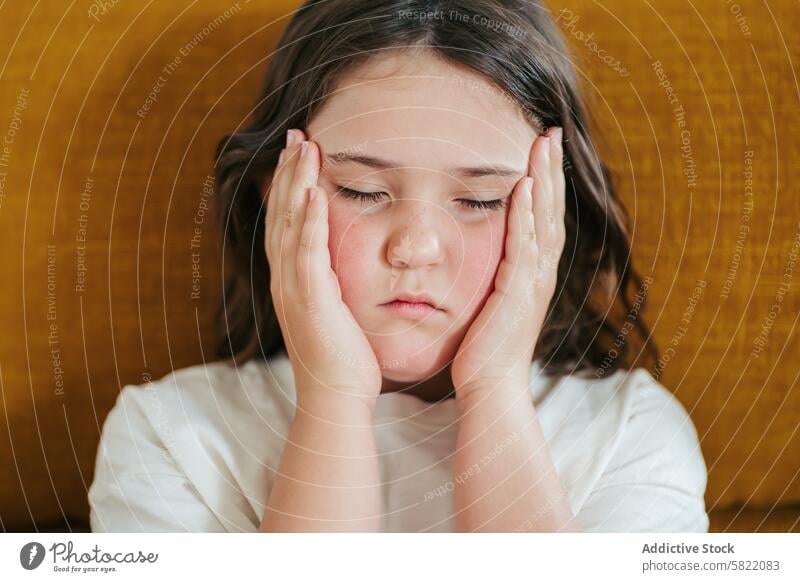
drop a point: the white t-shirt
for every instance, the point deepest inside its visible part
(198, 451)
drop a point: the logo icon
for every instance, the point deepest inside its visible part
(31, 555)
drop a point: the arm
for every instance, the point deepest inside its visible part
(504, 475)
(328, 476)
(505, 478)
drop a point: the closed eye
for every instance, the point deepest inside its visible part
(376, 196)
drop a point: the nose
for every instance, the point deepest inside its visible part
(416, 242)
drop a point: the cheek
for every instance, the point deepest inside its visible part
(349, 246)
(483, 250)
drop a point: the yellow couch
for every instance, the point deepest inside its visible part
(110, 114)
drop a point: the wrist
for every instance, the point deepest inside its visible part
(334, 405)
(508, 394)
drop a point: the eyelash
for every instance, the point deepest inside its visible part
(376, 196)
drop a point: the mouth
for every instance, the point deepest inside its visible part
(411, 309)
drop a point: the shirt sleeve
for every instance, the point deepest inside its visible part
(137, 485)
(656, 478)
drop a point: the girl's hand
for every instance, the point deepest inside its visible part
(330, 354)
(498, 348)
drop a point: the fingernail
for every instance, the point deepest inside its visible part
(528, 185)
(303, 149)
(559, 135)
(280, 157)
(291, 138)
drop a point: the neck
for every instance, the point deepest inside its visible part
(433, 389)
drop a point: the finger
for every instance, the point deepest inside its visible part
(273, 194)
(543, 210)
(305, 177)
(270, 213)
(560, 196)
(313, 256)
(551, 254)
(280, 284)
(283, 170)
(557, 176)
(543, 213)
(521, 239)
(520, 247)
(269, 219)
(282, 185)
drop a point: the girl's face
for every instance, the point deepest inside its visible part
(430, 139)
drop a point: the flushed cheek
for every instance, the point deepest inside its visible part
(352, 247)
(474, 282)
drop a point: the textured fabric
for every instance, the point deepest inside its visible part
(198, 451)
(117, 194)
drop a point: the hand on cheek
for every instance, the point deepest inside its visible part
(498, 348)
(330, 354)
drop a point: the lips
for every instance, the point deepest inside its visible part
(417, 311)
(415, 299)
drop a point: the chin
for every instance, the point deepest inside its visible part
(412, 362)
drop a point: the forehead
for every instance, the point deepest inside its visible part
(419, 106)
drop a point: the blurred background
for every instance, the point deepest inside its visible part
(109, 116)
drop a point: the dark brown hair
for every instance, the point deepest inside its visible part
(515, 46)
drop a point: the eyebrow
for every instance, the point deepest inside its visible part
(381, 164)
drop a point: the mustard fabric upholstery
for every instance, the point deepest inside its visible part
(113, 111)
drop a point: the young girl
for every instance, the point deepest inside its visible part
(425, 340)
